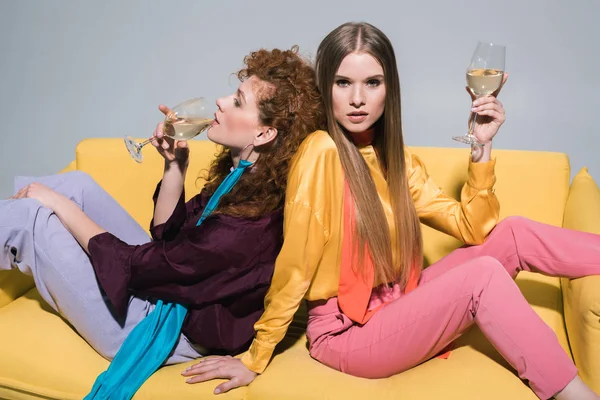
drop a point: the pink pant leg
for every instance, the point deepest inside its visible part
(416, 326)
(521, 244)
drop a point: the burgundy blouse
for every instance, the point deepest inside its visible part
(220, 270)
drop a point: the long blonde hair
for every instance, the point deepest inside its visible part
(389, 146)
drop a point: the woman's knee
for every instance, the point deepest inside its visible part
(79, 177)
(482, 270)
(502, 239)
(82, 180)
(512, 223)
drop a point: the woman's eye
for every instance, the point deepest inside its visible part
(236, 102)
(373, 82)
(342, 83)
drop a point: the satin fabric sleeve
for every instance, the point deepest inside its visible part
(469, 220)
(305, 237)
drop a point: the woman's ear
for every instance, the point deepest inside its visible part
(266, 135)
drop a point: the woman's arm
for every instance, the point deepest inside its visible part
(171, 189)
(481, 154)
(473, 217)
(469, 220)
(176, 155)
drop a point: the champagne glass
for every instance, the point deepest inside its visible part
(185, 121)
(484, 77)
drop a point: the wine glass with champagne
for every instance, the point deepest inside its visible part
(185, 121)
(484, 77)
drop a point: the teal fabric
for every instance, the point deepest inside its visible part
(142, 353)
(224, 188)
(149, 344)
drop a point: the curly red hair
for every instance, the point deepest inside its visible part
(288, 101)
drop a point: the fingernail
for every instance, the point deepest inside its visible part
(217, 391)
(188, 380)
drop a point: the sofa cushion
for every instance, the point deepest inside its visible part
(43, 357)
(582, 296)
(530, 184)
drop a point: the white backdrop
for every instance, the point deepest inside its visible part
(71, 70)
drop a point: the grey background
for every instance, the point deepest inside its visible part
(76, 69)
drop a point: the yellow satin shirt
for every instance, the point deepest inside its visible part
(308, 266)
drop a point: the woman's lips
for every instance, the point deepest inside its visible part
(357, 118)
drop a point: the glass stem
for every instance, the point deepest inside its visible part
(145, 142)
(472, 124)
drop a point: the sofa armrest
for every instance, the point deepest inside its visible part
(581, 297)
(71, 167)
(13, 284)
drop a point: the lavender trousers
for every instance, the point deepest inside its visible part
(35, 241)
(472, 285)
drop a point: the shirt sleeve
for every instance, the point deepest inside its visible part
(186, 269)
(181, 214)
(294, 269)
(305, 237)
(469, 220)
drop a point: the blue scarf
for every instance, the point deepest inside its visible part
(149, 344)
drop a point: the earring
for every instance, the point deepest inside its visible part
(248, 145)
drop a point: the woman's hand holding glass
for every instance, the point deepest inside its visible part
(184, 122)
(490, 115)
(170, 149)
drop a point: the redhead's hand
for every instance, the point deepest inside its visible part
(48, 197)
(490, 114)
(220, 367)
(170, 149)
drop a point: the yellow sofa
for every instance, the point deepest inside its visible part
(42, 357)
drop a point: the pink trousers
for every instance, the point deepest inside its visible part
(472, 285)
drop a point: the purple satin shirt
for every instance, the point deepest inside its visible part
(220, 270)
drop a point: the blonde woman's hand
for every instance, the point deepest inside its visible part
(490, 114)
(220, 367)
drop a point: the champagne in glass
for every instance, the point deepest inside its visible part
(484, 77)
(483, 82)
(185, 121)
(185, 128)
